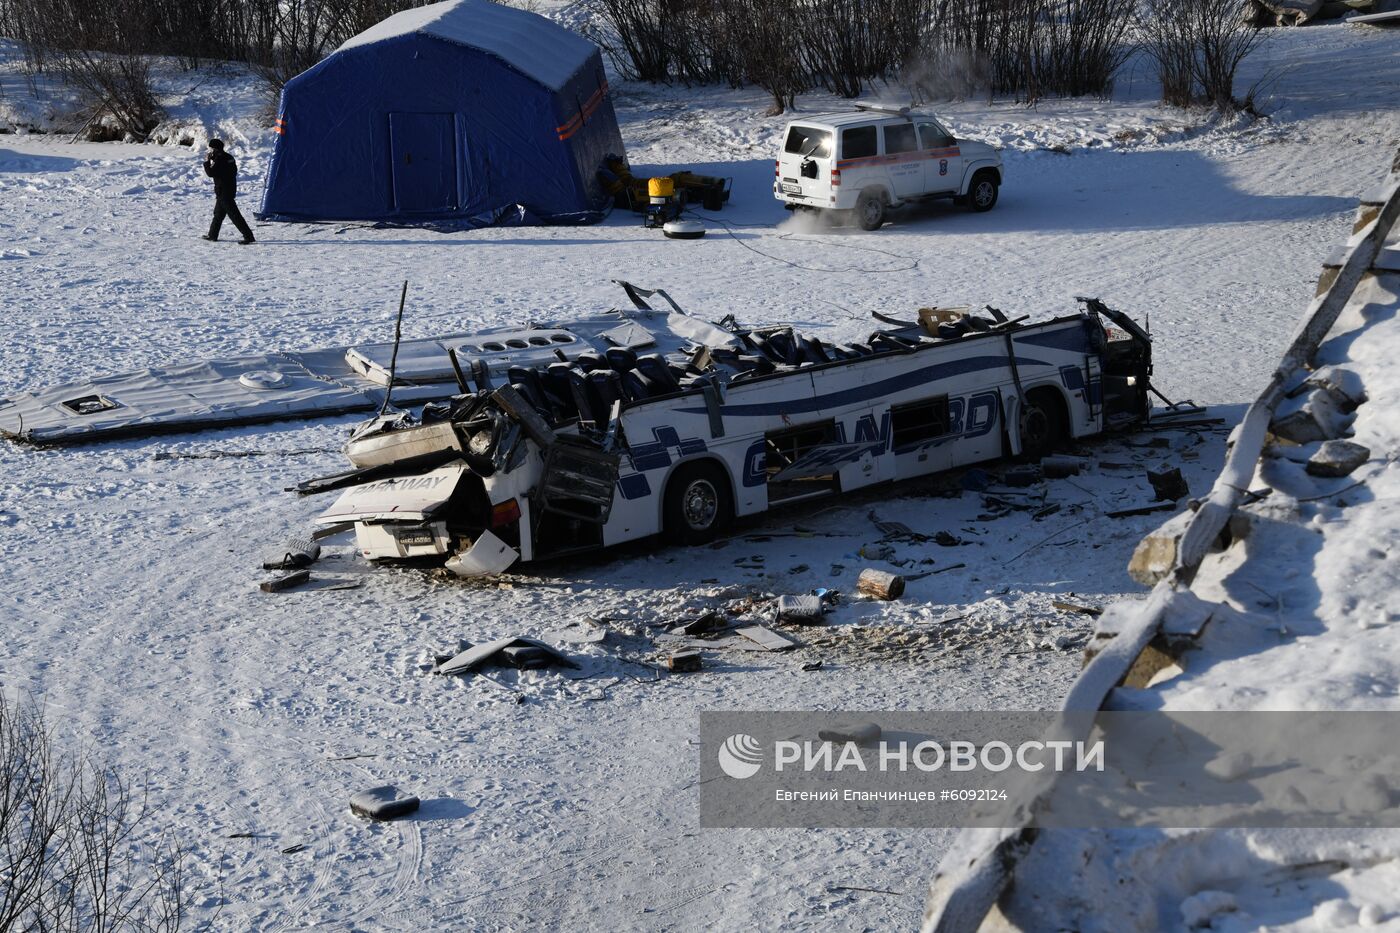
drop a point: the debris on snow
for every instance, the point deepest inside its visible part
(298, 553)
(1076, 607)
(881, 584)
(383, 803)
(685, 661)
(1060, 467)
(861, 733)
(1168, 484)
(766, 638)
(285, 582)
(523, 653)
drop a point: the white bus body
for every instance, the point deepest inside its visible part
(776, 418)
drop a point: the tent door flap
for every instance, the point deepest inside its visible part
(424, 149)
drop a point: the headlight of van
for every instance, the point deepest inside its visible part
(481, 442)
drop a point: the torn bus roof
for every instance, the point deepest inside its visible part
(281, 386)
(600, 449)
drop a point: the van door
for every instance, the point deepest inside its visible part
(804, 167)
(904, 160)
(942, 162)
(857, 160)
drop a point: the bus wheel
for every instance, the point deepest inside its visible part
(699, 506)
(1043, 424)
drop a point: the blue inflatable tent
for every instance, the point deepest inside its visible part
(460, 111)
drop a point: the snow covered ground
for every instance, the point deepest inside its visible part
(131, 605)
(1309, 623)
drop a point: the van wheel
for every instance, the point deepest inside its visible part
(982, 196)
(870, 210)
(699, 505)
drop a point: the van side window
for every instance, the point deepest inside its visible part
(858, 142)
(934, 136)
(900, 138)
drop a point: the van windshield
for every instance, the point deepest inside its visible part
(808, 141)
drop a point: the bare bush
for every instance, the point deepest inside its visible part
(71, 856)
(101, 50)
(849, 43)
(1029, 49)
(996, 34)
(642, 48)
(1198, 46)
(1082, 45)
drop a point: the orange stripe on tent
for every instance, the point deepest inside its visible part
(565, 130)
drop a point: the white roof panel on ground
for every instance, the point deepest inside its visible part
(533, 45)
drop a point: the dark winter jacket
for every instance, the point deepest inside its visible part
(221, 167)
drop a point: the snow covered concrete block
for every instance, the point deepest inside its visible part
(1338, 458)
(383, 803)
(1343, 385)
(1155, 555)
(1317, 418)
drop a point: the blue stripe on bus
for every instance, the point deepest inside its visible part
(1068, 338)
(865, 393)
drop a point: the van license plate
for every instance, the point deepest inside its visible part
(415, 537)
(791, 189)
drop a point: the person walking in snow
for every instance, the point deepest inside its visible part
(221, 167)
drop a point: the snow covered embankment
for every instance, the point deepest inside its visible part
(1296, 612)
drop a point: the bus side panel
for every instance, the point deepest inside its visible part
(1071, 366)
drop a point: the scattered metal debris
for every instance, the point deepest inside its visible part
(1168, 484)
(685, 661)
(806, 609)
(1142, 510)
(285, 582)
(766, 638)
(522, 653)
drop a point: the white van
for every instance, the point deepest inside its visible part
(875, 158)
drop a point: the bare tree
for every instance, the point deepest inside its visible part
(1198, 46)
(72, 856)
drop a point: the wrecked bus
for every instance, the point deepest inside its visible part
(616, 443)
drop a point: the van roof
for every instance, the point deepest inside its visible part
(847, 118)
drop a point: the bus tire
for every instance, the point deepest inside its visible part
(699, 505)
(1044, 423)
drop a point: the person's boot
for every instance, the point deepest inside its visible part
(246, 240)
(211, 239)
